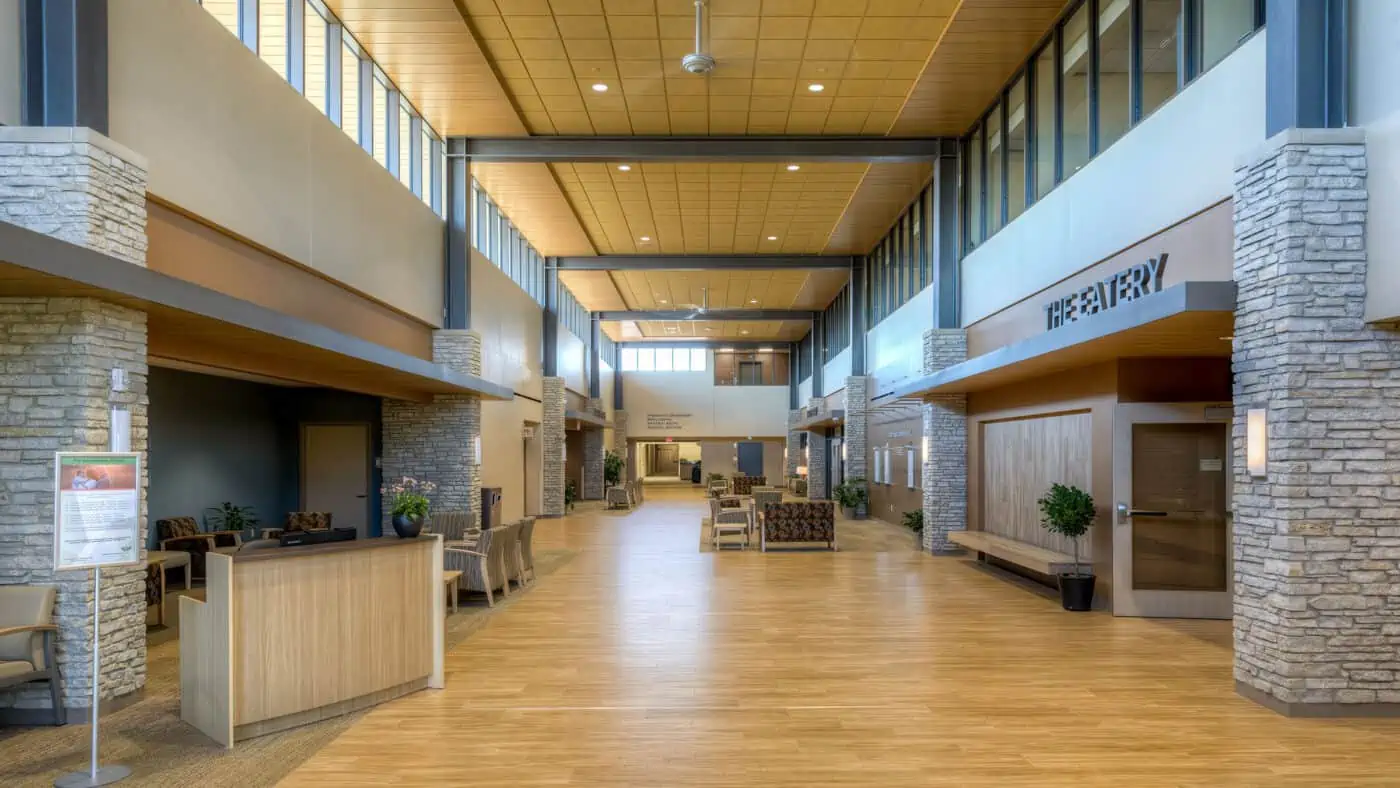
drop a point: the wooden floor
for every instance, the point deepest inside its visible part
(646, 663)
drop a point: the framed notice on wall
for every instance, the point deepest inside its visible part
(97, 510)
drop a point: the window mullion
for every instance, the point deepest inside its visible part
(295, 32)
(335, 51)
(248, 23)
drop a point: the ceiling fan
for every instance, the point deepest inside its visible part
(698, 310)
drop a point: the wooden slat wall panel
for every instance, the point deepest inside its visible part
(1020, 460)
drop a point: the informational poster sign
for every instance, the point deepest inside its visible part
(97, 510)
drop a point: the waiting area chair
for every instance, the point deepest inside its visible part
(183, 534)
(27, 641)
(498, 556)
(743, 485)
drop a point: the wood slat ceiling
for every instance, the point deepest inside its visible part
(772, 330)
(867, 54)
(514, 67)
(709, 208)
(983, 44)
(427, 49)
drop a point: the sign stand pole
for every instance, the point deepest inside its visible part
(95, 775)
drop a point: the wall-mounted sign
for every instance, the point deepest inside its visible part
(668, 422)
(1121, 288)
(97, 510)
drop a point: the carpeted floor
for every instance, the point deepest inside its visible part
(161, 750)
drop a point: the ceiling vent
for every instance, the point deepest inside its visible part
(698, 62)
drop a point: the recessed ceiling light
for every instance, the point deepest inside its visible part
(794, 167)
(744, 331)
(625, 167)
(660, 300)
(645, 238)
(753, 300)
(772, 237)
(599, 87)
(816, 87)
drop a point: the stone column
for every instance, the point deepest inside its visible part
(593, 449)
(436, 441)
(793, 457)
(552, 434)
(857, 426)
(79, 186)
(620, 445)
(945, 432)
(816, 466)
(1316, 542)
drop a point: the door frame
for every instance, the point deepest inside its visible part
(368, 427)
(1164, 604)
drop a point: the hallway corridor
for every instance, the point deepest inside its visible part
(646, 663)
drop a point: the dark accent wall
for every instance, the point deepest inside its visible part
(215, 439)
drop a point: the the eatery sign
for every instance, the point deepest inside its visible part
(1126, 285)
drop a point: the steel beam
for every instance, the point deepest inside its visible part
(713, 314)
(550, 317)
(64, 57)
(796, 149)
(457, 268)
(1306, 65)
(595, 356)
(702, 262)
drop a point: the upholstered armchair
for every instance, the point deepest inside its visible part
(27, 636)
(182, 534)
(300, 521)
(799, 521)
(482, 566)
(743, 485)
(619, 498)
(454, 526)
(527, 550)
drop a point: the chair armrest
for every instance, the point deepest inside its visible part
(28, 628)
(464, 552)
(164, 543)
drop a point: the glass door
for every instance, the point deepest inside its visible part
(1171, 535)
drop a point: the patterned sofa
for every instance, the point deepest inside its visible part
(799, 521)
(743, 485)
(300, 521)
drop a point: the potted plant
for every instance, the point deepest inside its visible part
(612, 469)
(914, 521)
(1069, 511)
(852, 497)
(229, 517)
(409, 505)
(570, 494)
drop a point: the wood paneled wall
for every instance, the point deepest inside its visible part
(898, 426)
(1091, 391)
(1021, 458)
(774, 365)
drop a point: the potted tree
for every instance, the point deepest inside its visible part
(1069, 511)
(852, 497)
(914, 521)
(612, 469)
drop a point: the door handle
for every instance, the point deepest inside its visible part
(1126, 512)
(362, 496)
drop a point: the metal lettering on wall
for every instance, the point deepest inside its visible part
(668, 421)
(1121, 288)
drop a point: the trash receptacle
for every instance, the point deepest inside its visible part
(490, 507)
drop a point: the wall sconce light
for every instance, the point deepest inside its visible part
(923, 448)
(843, 451)
(802, 470)
(1256, 431)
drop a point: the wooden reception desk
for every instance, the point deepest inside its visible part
(292, 635)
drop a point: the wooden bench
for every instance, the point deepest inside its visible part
(452, 578)
(1023, 554)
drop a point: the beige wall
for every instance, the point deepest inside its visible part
(572, 351)
(510, 325)
(230, 141)
(9, 63)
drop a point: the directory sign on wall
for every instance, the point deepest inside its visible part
(97, 510)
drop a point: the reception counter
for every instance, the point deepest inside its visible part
(292, 635)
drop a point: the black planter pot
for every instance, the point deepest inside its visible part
(407, 527)
(1077, 592)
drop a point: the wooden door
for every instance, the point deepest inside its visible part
(1172, 542)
